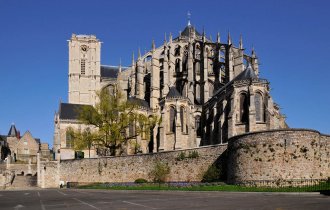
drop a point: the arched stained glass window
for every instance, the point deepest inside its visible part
(244, 108)
(172, 119)
(259, 107)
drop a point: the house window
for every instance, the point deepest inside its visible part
(26, 151)
(244, 108)
(172, 119)
(259, 107)
(83, 66)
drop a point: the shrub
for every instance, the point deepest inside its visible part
(160, 171)
(140, 181)
(193, 154)
(212, 174)
(181, 156)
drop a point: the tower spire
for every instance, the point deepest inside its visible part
(189, 16)
(165, 41)
(241, 42)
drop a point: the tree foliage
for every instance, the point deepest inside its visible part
(110, 119)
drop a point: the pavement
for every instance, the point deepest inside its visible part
(138, 200)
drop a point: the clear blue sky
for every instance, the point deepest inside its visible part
(291, 38)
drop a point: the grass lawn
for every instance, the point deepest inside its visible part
(208, 187)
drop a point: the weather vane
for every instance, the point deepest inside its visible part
(189, 16)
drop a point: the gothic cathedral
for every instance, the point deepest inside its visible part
(205, 92)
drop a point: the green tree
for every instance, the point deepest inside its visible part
(83, 140)
(110, 119)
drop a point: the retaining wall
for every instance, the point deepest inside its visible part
(130, 168)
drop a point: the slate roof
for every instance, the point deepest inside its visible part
(70, 111)
(173, 93)
(187, 29)
(110, 71)
(12, 131)
(248, 73)
(139, 102)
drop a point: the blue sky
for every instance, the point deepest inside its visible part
(291, 38)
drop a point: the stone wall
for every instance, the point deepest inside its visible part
(130, 168)
(281, 155)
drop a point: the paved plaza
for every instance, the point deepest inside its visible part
(123, 200)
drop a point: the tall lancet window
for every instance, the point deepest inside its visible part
(198, 93)
(198, 126)
(259, 107)
(172, 120)
(183, 120)
(198, 68)
(177, 65)
(244, 108)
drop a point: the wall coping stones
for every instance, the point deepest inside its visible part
(234, 138)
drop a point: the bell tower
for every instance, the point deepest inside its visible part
(84, 69)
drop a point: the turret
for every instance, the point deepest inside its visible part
(254, 61)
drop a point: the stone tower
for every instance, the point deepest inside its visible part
(84, 69)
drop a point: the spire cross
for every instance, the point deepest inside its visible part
(189, 16)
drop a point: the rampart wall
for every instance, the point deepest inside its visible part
(130, 168)
(275, 156)
(282, 155)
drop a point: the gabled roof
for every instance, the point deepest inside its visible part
(138, 101)
(70, 111)
(12, 131)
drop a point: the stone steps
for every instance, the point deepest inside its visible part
(23, 182)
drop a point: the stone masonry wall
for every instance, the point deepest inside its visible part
(278, 155)
(130, 168)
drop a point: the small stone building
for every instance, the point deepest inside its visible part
(25, 148)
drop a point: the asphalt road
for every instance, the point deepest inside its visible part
(122, 200)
